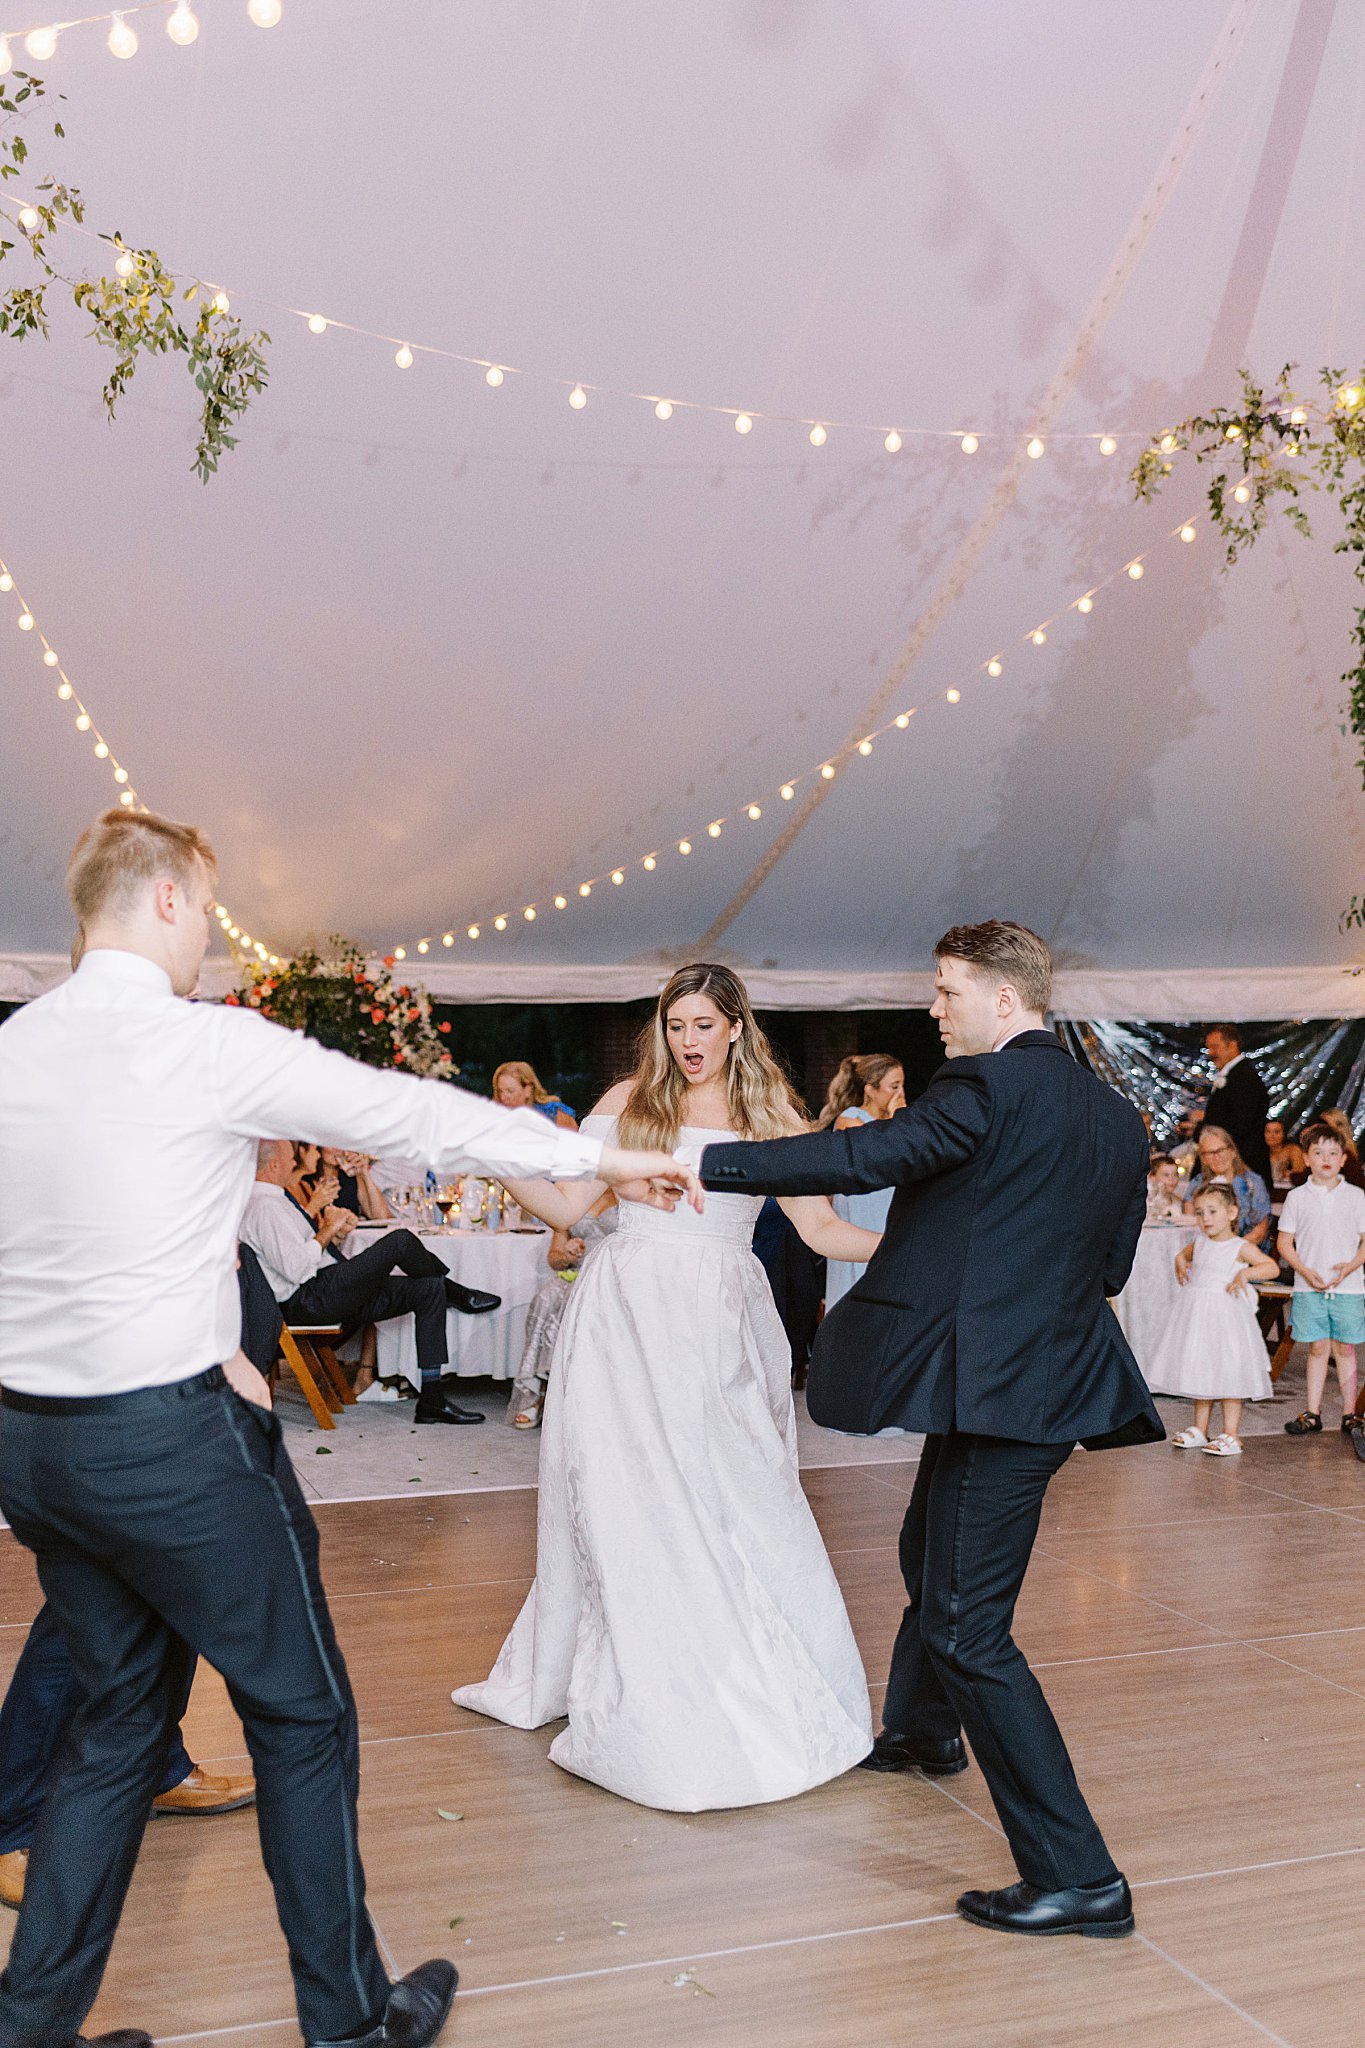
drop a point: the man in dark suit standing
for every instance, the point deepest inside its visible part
(1020, 1190)
(1239, 1102)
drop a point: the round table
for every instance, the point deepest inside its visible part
(511, 1263)
(1145, 1302)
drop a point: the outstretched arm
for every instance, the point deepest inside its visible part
(829, 1235)
(943, 1129)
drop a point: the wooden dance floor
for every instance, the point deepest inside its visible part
(1201, 1631)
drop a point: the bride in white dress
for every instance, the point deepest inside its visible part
(685, 1615)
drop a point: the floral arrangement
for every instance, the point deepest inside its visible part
(345, 1003)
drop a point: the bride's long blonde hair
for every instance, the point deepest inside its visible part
(760, 1096)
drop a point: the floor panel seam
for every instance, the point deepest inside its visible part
(1221, 1997)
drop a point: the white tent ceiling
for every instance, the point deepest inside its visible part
(424, 652)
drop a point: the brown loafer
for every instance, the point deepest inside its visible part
(199, 1793)
(13, 1871)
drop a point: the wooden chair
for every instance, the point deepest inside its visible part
(1272, 1312)
(307, 1349)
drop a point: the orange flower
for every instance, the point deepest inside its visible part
(413, 1015)
(445, 1028)
(390, 959)
(377, 1016)
(235, 1001)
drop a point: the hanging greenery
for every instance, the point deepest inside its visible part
(135, 311)
(344, 1003)
(1266, 455)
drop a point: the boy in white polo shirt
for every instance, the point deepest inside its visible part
(1322, 1236)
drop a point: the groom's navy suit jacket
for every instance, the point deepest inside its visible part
(1020, 1188)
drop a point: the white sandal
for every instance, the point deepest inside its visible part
(1224, 1446)
(1190, 1439)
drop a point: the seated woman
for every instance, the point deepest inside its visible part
(1219, 1159)
(516, 1085)
(1286, 1158)
(321, 1180)
(868, 1088)
(566, 1254)
(358, 1191)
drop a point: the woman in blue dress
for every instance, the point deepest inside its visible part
(868, 1087)
(517, 1085)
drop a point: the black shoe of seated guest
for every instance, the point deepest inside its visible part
(435, 1406)
(414, 2012)
(471, 1301)
(943, 1759)
(1103, 1911)
(122, 2037)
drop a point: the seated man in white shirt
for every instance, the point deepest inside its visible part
(313, 1283)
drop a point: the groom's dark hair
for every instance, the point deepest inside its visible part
(1004, 952)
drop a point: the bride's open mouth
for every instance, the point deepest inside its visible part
(693, 1062)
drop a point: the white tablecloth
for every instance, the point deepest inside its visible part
(499, 1262)
(1145, 1302)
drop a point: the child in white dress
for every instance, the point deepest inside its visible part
(1211, 1349)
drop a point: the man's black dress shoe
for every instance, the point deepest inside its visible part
(1102, 1910)
(913, 1753)
(414, 2012)
(438, 1407)
(471, 1301)
(122, 2037)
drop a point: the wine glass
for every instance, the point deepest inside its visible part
(445, 1202)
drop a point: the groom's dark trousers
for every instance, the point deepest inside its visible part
(1019, 1194)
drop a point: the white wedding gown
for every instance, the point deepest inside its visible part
(685, 1615)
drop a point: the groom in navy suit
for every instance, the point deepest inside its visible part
(1020, 1189)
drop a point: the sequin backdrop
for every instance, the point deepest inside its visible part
(1307, 1067)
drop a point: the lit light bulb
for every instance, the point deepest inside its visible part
(1169, 444)
(1291, 447)
(902, 719)
(953, 696)
(400, 952)
(617, 877)
(317, 323)
(122, 39)
(183, 26)
(447, 938)
(754, 811)
(892, 443)
(1187, 534)
(492, 376)
(424, 945)
(101, 750)
(1233, 434)
(234, 931)
(1242, 494)
(1298, 416)
(684, 846)
(265, 13)
(995, 667)
(828, 771)
(125, 265)
(6, 59)
(818, 436)
(969, 444)
(41, 43)
(500, 924)
(743, 423)
(25, 622)
(578, 398)
(864, 748)
(473, 931)
(64, 691)
(649, 863)
(49, 657)
(1085, 604)
(1038, 637)
(1351, 395)
(221, 303)
(663, 410)
(713, 830)
(561, 902)
(530, 913)
(120, 775)
(787, 792)
(1107, 444)
(1035, 449)
(1135, 571)
(6, 581)
(127, 797)
(404, 357)
(585, 888)
(83, 722)
(28, 219)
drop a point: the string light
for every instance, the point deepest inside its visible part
(50, 657)
(892, 443)
(122, 39)
(125, 265)
(1242, 494)
(818, 436)
(492, 376)
(447, 938)
(317, 323)
(1107, 444)
(663, 410)
(183, 26)
(404, 357)
(826, 770)
(265, 13)
(26, 622)
(530, 913)
(1035, 449)
(1169, 444)
(28, 219)
(578, 398)
(41, 44)
(221, 303)
(743, 423)
(969, 444)
(6, 57)
(500, 924)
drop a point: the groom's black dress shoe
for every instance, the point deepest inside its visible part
(912, 1753)
(471, 1301)
(438, 1407)
(1102, 1910)
(414, 2012)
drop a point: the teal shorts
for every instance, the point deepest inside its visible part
(1339, 1316)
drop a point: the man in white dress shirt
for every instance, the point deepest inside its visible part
(139, 1459)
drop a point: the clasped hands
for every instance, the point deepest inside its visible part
(654, 1178)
